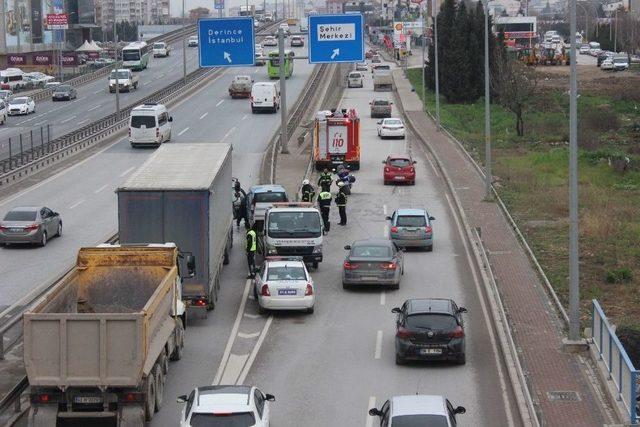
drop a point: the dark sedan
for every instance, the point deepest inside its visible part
(35, 225)
(373, 262)
(64, 92)
(430, 329)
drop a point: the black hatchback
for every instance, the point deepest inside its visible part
(63, 92)
(430, 329)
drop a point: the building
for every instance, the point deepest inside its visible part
(141, 11)
(334, 6)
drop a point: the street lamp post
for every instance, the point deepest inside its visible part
(435, 41)
(487, 107)
(184, 47)
(586, 20)
(284, 138)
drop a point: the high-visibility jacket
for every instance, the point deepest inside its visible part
(341, 199)
(251, 241)
(325, 178)
(324, 199)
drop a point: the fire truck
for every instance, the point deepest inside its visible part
(336, 140)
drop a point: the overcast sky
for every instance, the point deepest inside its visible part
(176, 5)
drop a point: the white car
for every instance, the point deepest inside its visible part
(3, 112)
(607, 64)
(584, 49)
(38, 79)
(161, 49)
(193, 41)
(423, 410)
(283, 283)
(21, 105)
(225, 405)
(362, 66)
(391, 128)
(50, 85)
(355, 79)
(270, 41)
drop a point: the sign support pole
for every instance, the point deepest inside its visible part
(184, 48)
(284, 138)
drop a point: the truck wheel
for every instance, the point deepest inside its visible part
(163, 361)
(225, 260)
(159, 380)
(177, 351)
(150, 402)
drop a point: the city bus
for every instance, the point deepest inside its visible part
(136, 55)
(273, 64)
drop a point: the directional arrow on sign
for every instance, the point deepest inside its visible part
(227, 56)
(336, 52)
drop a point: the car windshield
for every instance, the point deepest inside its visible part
(620, 60)
(394, 122)
(355, 75)
(294, 224)
(18, 101)
(399, 163)
(420, 421)
(20, 216)
(380, 103)
(366, 251)
(138, 121)
(411, 221)
(270, 197)
(383, 67)
(121, 74)
(130, 55)
(62, 88)
(443, 322)
(238, 419)
(286, 273)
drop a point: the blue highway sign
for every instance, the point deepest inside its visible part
(336, 38)
(226, 42)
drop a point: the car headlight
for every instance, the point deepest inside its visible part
(272, 250)
(317, 249)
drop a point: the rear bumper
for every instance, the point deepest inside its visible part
(144, 142)
(287, 303)
(410, 351)
(368, 280)
(416, 243)
(399, 178)
(392, 133)
(32, 237)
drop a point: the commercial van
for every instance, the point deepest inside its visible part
(260, 199)
(12, 79)
(149, 124)
(265, 96)
(304, 25)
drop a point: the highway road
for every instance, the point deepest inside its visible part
(84, 193)
(329, 368)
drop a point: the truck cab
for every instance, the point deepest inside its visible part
(293, 229)
(126, 80)
(261, 198)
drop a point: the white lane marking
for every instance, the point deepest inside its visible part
(183, 131)
(232, 336)
(248, 336)
(234, 367)
(76, 204)
(383, 298)
(204, 115)
(384, 210)
(221, 101)
(252, 316)
(255, 351)
(40, 123)
(371, 404)
(127, 171)
(94, 107)
(386, 230)
(68, 120)
(245, 116)
(97, 92)
(256, 71)
(100, 189)
(229, 132)
(83, 121)
(378, 351)
(159, 76)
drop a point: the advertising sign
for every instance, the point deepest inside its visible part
(69, 59)
(57, 21)
(337, 137)
(42, 59)
(16, 59)
(218, 4)
(519, 34)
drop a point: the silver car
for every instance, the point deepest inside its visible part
(373, 262)
(417, 410)
(30, 224)
(411, 227)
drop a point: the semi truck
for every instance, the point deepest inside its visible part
(97, 346)
(382, 80)
(181, 194)
(336, 140)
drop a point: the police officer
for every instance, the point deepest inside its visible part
(341, 201)
(252, 246)
(325, 179)
(324, 202)
(308, 192)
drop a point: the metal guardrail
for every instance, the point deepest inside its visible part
(614, 357)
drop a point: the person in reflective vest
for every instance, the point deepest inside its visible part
(325, 179)
(252, 246)
(308, 192)
(341, 201)
(324, 203)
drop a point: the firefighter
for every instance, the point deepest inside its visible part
(341, 201)
(252, 246)
(324, 202)
(308, 192)
(325, 179)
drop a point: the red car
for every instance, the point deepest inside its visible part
(398, 168)
(369, 54)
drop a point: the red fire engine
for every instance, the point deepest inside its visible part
(336, 140)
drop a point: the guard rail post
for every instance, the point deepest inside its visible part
(31, 139)
(21, 151)
(41, 140)
(10, 155)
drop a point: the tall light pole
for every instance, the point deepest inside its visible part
(115, 64)
(586, 20)
(615, 37)
(435, 42)
(487, 107)
(284, 138)
(574, 277)
(184, 47)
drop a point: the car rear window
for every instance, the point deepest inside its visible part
(380, 102)
(420, 421)
(20, 216)
(238, 419)
(411, 221)
(62, 88)
(399, 163)
(371, 251)
(270, 197)
(432, 321)
(139, 121)
(355, 75)
(286, 273)
(158, 46)
(394, 122)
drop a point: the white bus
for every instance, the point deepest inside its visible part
(136, 55)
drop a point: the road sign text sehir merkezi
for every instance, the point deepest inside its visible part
(335, 32)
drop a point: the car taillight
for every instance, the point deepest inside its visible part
(131, 397)
(309, 290)
(31, 227)
(403, 333)
(388, 266)
(386, 169)
(264, 291)
(458, 332)
(201, 302)
(394, 229)
(350, 266)
(428, 229)
(44, 398)
(411, 169)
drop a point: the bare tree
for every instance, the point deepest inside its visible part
(514, 84)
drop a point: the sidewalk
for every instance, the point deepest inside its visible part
(536, 328)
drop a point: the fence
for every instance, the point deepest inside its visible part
(22, 148)
(619, 367)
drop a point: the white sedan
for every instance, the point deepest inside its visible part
(270, 41)
(391, 128)
(284, 283)
(607, 64)
(22, 105)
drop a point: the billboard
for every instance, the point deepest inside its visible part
(42, 59)
(57, 21)
(36, 21)
(16, 59)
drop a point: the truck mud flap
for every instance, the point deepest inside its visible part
(131, 416)
(43, 416)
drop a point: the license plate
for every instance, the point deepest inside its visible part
(399, 178)
(287, 292)
(369, 279)
(87, 399)
(16, 230)
(430, 351)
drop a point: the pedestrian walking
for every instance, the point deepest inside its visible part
(252, 246)
(308, 192)
(341, 201)
(324, 202)
(325, 179)
(243, 205)
(238, 201)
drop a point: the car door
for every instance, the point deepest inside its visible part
(46, 221)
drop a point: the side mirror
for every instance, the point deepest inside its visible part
(388, 218)
(414, 162)
(170, 119)
(253, 81)
(396, 310)
(191, 265)
(182, 399)
(459, 410)
(347, 247)
(375, 412)
(272, 398)
(431, 218)
(462, 310)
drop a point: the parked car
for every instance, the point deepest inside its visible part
(284, 283)
(226, 405)
(430, 329)
(39, 79)
(270, 41)
(391, 128)
(373, 262)
(297, 41)
(607, 64)
(355, 79)
(380, 108)
(399, 168)
(21, 105)
(63, 92)
(620, 63)
(411, 228)
(584, 49)
(375, 59)
(417, 410)
(30, 224)
(193, 41)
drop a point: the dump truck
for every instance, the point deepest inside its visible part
(181, 194)
(97, 346)
(240, 87)
(382, 80)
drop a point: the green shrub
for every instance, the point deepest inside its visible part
(619, 275)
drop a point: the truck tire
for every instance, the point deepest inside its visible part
(150, 401)
(159, 384)
(163, 361)
(177, 351)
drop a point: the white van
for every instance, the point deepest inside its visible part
(149, 124)
(12, 79)
(304, 26)
(354, 79)
(265, 96)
